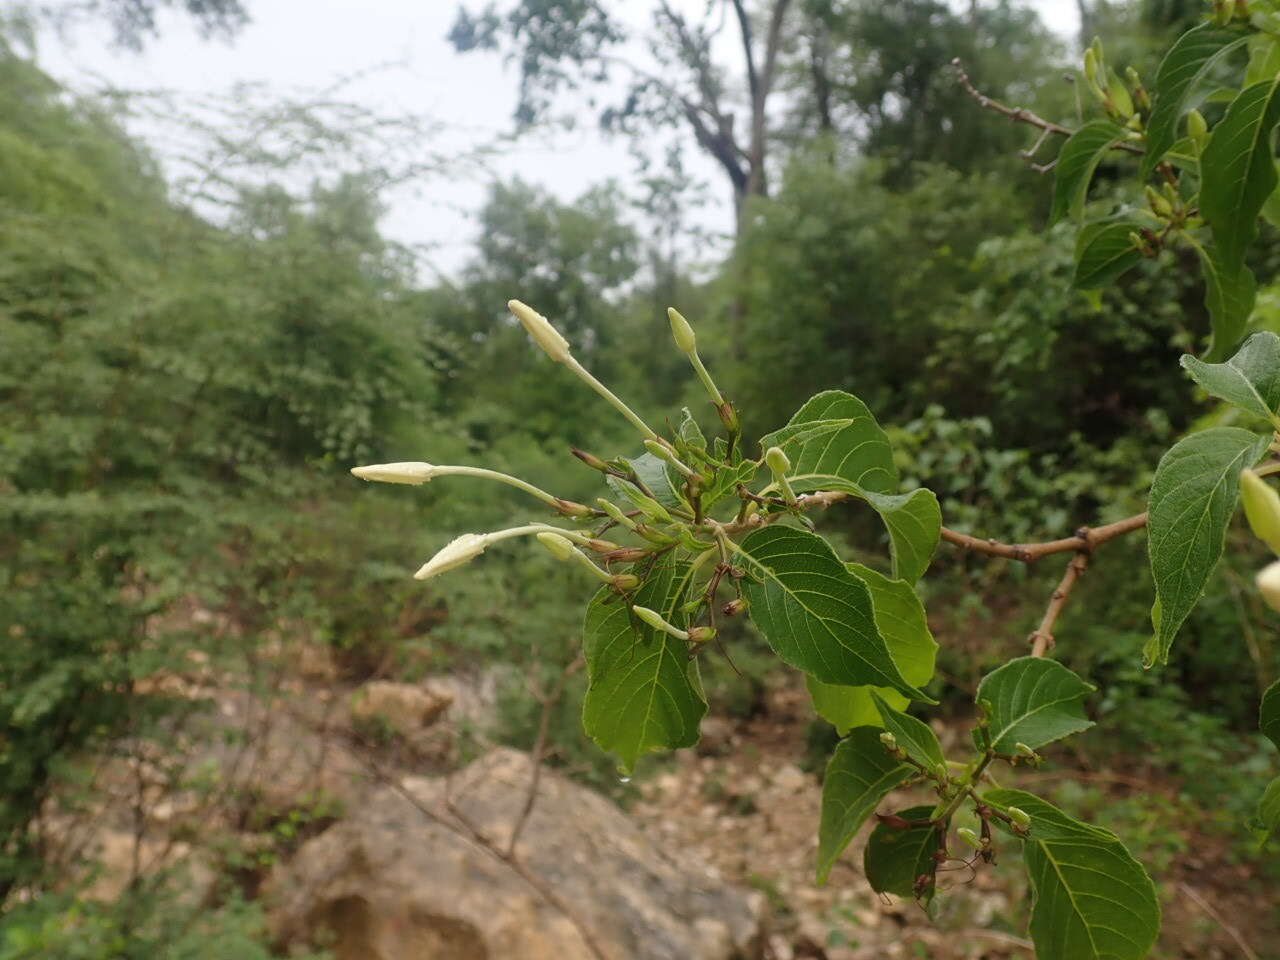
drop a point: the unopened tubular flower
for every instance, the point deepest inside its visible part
(559, 547)
(557, 348)
(682, 331)
(455, 553)
(414, 472)
(540, 329)
(660, 450)
(654, 619)
(1268, 581)
(419, 473)
(1261, 508)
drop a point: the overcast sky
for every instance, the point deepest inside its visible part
(298, 46)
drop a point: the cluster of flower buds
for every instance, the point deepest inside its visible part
(1121, 103)
(1262, 510)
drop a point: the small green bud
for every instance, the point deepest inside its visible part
(1119, 95)
(940, 772)
(559, 546)
(1158, 204)
(1022, 749)
(1140, 95)
(615, 514)
(1019, 817)
(1197, 128)
(625, 582)
(600, 546)
(734, 607)
(1268, 581)
(1091, 66)
(649, 507)
(889, 740)
(571, 509)
(969, 837)
(701, 634)
(682, 331)
(778, 462)
(1261, 508)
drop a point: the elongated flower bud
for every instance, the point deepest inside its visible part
(591, 460)
(559, 547)
(1261, 508)
(1268, 581)
(455, 553)
(654, 619)
(540, 329)
(682, 331)
(969, 837)
(414, 472)
(1197, 129)
(777, 461)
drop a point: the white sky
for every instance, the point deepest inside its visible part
(296, 46)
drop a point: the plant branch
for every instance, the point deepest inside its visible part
(548, 701)
(1086, 538)
(1042, 637)
(1021, 114)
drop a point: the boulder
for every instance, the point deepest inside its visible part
(405, 707)
(404, 879)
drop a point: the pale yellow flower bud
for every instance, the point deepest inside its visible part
(1261, 508)
(455, 553)
(560, 548)
(540, 329)
(654, 619)
(779, 463)
(682, 331)
(414, 472)
(1268, 581)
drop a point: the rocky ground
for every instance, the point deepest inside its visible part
(348, 810)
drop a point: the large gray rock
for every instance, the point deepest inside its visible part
(392, 883)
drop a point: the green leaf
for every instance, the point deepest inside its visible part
(1077, 161)
(1229, 297)
(1092, 899)
(1250, 379)
(1104, 251)
(1264, 59)
(895, 858)
(900, 618)
(1238, 171)
(643, 692)
(1268, 814)
(1192, 498)
(1033, 700)
(913, 735)
(858, 451)
(726, 481)
(914, 522)
(848, 707)
(1189, 61)
(859, 774)
(1269, 714)
(814, 613)
(690, 433)
(655, 475)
